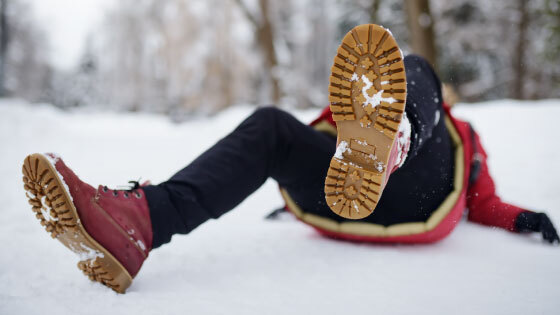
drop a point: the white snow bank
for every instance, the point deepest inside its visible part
(242, 264)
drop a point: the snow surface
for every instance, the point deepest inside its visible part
(340, 149)
(242, 264)
(403, 140)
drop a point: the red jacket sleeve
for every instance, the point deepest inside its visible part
(326, 115)
(485, 207)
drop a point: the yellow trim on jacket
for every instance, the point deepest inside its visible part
(371, 229)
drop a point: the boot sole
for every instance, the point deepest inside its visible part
(367, 96)
(53, 206)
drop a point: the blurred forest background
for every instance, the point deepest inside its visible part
(181, 57)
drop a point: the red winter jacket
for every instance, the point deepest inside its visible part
(478, 197)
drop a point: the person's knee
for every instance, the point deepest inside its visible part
(418, 65)
(416, 62)
(267, 112)
(272, 122)
(267, 115)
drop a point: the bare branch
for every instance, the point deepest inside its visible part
(248, 13)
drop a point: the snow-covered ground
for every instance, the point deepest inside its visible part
(242, 264)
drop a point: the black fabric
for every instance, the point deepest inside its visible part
(272, 143)
(476, 163)
(269, 143)
(528, 221)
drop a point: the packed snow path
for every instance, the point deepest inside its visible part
(242, 264)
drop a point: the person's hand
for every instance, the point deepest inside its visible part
(537, 222)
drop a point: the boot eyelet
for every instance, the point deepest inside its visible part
(137, 195)
(125, 194)
(105, 189)
(115, 193)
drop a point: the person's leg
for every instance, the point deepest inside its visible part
(269, 143)
(272, 143)
(423, 102)
(417, 188)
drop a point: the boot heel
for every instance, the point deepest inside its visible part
(104, 271)
(351, 192)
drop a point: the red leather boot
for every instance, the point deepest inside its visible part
(110, 230)
(367, 96)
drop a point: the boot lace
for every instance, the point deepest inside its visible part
(132, 188)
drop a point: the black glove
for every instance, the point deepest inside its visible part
(537, 222)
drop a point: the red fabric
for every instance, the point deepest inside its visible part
(485, 207)
(118, 223)
(439, 232)
(325, 115)
(480, 198)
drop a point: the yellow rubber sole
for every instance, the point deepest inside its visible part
(367, 96)
(52, 204)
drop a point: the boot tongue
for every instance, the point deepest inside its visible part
(129, 209)
(100, 189)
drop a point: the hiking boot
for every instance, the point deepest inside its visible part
(110, 230)
(367, 96)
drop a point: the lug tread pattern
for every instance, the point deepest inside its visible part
(55, 211)
(350, 191)
(368, 62)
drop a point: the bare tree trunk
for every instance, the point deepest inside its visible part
(373, 9)
(265, 40)
(420, 22)
(3, 45)
(225, 75)
(519, 55)
(265, 36)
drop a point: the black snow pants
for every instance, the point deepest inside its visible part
(272, 143)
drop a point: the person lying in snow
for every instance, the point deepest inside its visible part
(386, 143)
